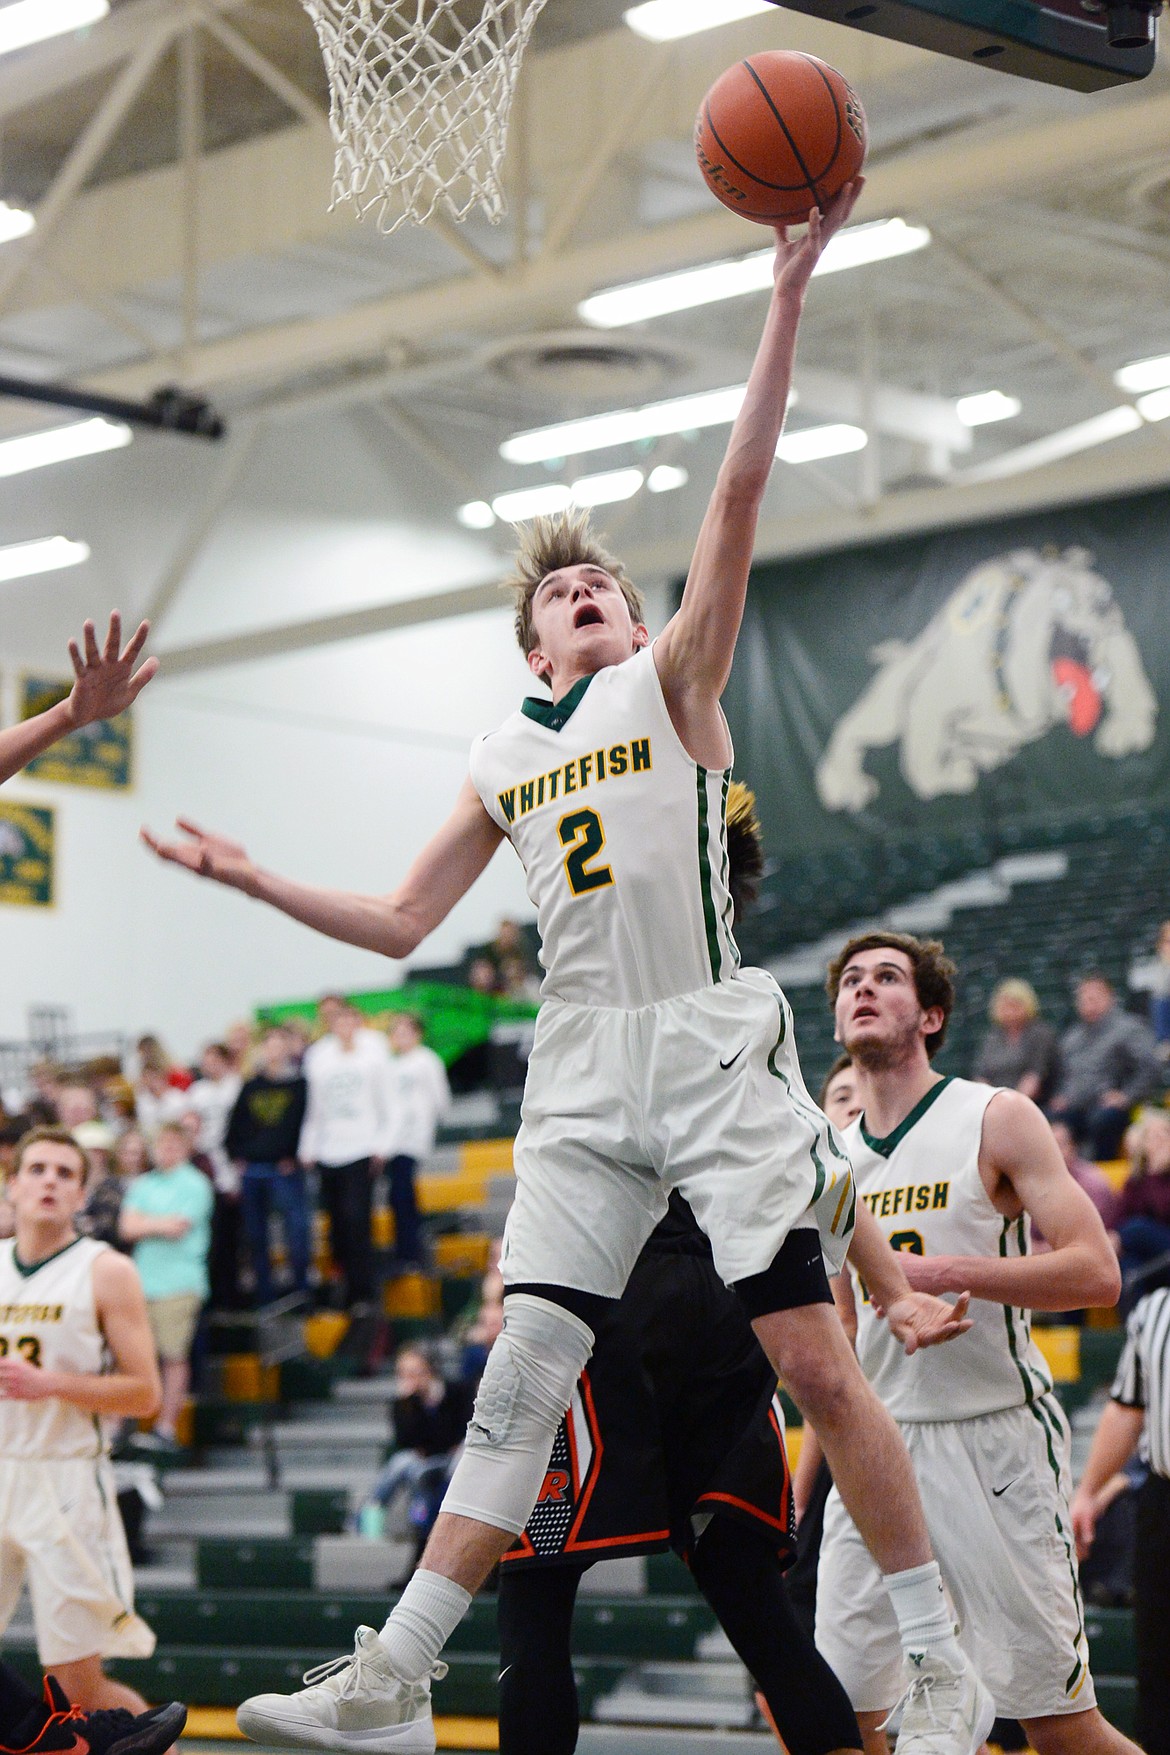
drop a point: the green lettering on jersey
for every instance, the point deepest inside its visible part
(507, 803)
(921, 1199)
(640, 750)
(942, 1192)
(527, 794)
(570, 776)
(619, 758)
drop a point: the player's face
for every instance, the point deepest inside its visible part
(49, 1184)
(878, 1015)
(582, 623)
(842, 1104)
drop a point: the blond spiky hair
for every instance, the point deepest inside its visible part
(745, 847)
(544, 545)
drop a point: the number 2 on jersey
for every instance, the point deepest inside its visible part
(582, 834)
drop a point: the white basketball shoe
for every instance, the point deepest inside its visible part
(944, 1711)
(352, 1703)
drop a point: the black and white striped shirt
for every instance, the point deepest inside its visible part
(1143, 1374)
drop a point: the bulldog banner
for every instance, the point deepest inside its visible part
(1000, 672)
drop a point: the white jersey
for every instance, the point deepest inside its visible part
(622, 839)
(47, 1316)
(923, 1186)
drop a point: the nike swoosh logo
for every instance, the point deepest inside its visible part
(996, 1491)
(726, 1065)
(502, 1674)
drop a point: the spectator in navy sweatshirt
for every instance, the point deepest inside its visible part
(263, 1132)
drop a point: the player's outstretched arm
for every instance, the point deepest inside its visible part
(917, 1319)
(132, 1389)
(393, 925)
(1021, 1164)
(695, 650)
(105, 684)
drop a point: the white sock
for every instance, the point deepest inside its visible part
(421, 1622)
(925, 1622)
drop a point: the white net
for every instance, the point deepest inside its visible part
(420, 98)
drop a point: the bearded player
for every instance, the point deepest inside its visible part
(659, 1064)
(954, 1173)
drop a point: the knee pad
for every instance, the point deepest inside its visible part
(537, 1358)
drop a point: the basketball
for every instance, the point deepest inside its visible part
(779, 134)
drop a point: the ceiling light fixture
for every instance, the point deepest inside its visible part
(15, 222)
(1155, 406)
(1068, 442)
(815, 443)
(19, 560)
(32, 21)
(876, 241)
(607, 488)
(1151, 374)
(476, 515)
(83, 438)
(534, 502)
(664, 21)
(986, 406)
(665, 477)
(596, 432)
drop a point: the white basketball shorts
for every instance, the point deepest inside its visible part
(701, 1093)
(995, 1491)
(60, 1527)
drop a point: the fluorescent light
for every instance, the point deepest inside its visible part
(15, 222)
(681, 414)
(687, 288)
(81, 438)
(31, 21)
(606, 489)
(20, 559)
(1086, 434)
(476, 515)
(513, 508)
(878, 240)
(663, 21)
(1155, 406)
(835, 440)
(987, 406)
(1151, 374)
(665, 478)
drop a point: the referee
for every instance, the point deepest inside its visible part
(1140, 1398)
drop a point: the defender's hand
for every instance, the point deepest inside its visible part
(919, 1320)
(106, 680)
(797, 257)
(1083, 1512)
(206, 854)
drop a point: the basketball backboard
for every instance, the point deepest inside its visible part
(1061, 42)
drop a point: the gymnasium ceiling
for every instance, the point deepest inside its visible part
(178, 158)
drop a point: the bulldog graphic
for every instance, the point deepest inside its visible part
(1028, 640)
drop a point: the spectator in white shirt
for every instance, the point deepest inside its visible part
(421, 1098)
(212, 1098)
(156, 1101)
(346, 1134)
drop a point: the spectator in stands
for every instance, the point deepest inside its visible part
(1109, 1064)
(263, 1134)
(151, 1053)
(211, 1099)
(131, 1157)
(240, 1039)
(1160, 990)
(347, 1132)
(482, 975)
(481, 1332)
(430, 1420)
(40, 1103)
(516, 972)
(1087, 1176)
(421, 1096)
(166, 1216)
(156, 1100)
(1020, 1050)
(76, 1104)
(103, 1187)
(1142, 1221)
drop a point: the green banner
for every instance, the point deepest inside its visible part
(26, 855)
(1005, 672)
(98, 755)
(454, 1018)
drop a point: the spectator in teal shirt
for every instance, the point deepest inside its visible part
(166, 1215)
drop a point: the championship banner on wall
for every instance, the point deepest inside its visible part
(26, 855)
(97, 755)
(1013, 671)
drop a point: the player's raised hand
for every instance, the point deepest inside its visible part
(918, 1319)
(206, 854)
(106, 682)
(797, 257)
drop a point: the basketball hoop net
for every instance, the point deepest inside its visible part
(420, 97)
